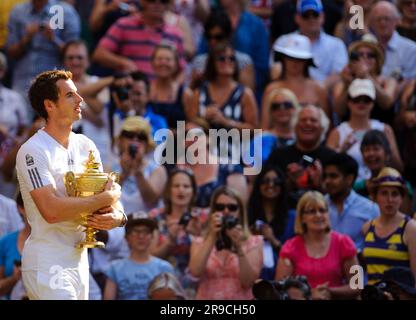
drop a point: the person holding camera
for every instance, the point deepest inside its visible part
(323, 256)
(390, 239)
(141, 178)
(227, 259)
(347, 137)
(178, 223)
(366, 60)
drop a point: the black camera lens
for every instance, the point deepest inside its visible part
(132, 150)
(229, 222)
(122, 93)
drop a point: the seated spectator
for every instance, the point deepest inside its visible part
(11, 246)
(323, 256)
(167, 97)
(34, 45)
(148, 28)
(376, 154)
(302, 162)
(96, 94)
(269, 216)
(343, 29)
(366, 62)
(222, 100)
(347, 136)
(141, 179)
(407, 24)
(390, 239)
(277, 122)
(165, 286)
(178, 222)
(400, 52)
(310, 19)
(129, 278)
(249, 36)
(208, 171)
(218, 30)
(348, 211)
(294, 50)
(227, 259)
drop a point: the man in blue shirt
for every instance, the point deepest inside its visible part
(348, 210)
(34, 42)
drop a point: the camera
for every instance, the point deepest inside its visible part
(306, 161)
(132, 150)
(122, 92)
(376, 291)
(224, 242)
(278, 290)
(186, 217)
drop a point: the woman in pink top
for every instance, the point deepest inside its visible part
(323, 256)
(228, 259)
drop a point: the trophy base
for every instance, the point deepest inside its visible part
(90, 244)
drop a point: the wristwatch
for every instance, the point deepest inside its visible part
(124, 221)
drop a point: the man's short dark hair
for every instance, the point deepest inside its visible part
(44, 88)
(140, 76)
(346, 164)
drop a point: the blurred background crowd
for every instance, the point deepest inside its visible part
(337, 109)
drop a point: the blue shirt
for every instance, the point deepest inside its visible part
(9, 252)
(251, 37)
(400, 56)
(357, 211)
(42, 54)
(132, 278)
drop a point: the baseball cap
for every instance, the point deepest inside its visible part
(401, 276)
(362, 87)
(305, 5)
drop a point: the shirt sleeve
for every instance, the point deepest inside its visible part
(347, 247)
(32, 164)
(341, 58)
(288, 249)
(13, 35)
(113, 37)
(111, 273)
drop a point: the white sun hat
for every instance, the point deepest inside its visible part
(294, 45)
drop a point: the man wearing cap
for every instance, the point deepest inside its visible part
(348, 135)
(329, 53)
(402, 281)
(129, 278)
(400, 52)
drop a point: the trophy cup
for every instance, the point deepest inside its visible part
(86, 184)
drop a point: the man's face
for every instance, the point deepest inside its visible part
(310, 21)
(335, 182)
(383, 21)
(76, 59)
(138, 95)
(68, 106)
(308, 128)
(154, 9)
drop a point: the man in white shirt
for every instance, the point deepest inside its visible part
(52, 266)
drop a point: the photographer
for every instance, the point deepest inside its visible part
(141, 178)
(228, 259)
(290, 288)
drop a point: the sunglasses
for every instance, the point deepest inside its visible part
(75, 57)
(361, 99)
(273, 181)
(315, 211)
(217, 37)
(281, 105)
(221, 207)
(141, 136)
(226, 58)
(310, 14)
(355, 55)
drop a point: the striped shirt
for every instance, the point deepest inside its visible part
(131, 38)
(381, 254)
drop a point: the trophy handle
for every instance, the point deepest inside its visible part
(70, 184)
(114, 176)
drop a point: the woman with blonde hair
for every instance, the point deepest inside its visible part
(228, 259)
(323, 256)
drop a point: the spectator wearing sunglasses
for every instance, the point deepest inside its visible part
(227, 259)
(348, 135)
(366, 62)
(277, 122)
(323, 256)
(269, 216)
(141, 179)
(217, 29)
(407, 24)
(310, 19)
(293, 54)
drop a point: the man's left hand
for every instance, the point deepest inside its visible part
(105, 219)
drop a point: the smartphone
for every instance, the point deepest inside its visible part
(306, 161)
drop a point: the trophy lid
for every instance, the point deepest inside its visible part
(92, 166)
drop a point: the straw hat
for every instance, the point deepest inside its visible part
(389, 177)
(139, 124)
(370, 41)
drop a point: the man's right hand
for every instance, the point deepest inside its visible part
(114, 190)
